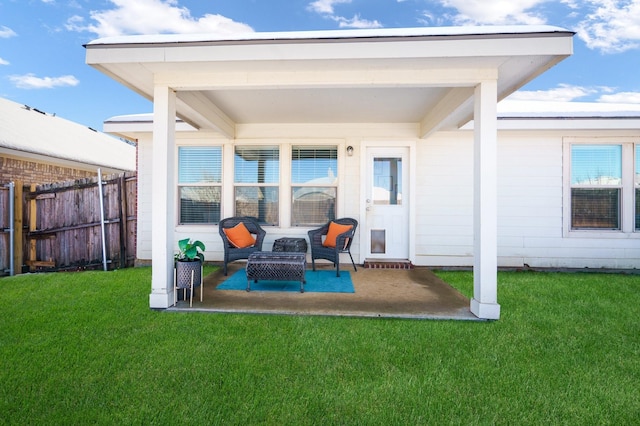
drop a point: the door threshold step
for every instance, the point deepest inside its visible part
(388, 264)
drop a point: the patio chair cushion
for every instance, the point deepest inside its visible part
(239, 236)
(335, 229)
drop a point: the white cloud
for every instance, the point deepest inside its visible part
(431, 19)
(496, 12)
(4, 62)
(30, 81)
(325, 6)
(613, 25)
(356, 22)
(562, 93)
(621, 98)
(153, 17)
(6, 32)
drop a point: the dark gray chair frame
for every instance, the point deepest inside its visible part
(318, 251)
(232, 253)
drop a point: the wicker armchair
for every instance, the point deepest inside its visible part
(343, 244)
(232, 253)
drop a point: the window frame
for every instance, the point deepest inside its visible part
(179, 185)
(277, 184)
(627, 188)
(336, 185)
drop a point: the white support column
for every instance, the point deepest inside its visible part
(485, 212)
(163, 197)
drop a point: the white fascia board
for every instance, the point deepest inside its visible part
(138, 123)
(63, 162)
(465, 31)
(285, 46)
(565, 123)
(619, 123)
(319, 78)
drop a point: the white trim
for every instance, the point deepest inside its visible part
(391, 143)
(163, 197)
(469, 32)
(485, 199)
(627, 207)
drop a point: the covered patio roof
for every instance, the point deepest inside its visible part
(410, 75)
(432, 78)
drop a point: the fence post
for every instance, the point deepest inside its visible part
(18, 232)
(33, 225)
(122, 198)
(12, 241)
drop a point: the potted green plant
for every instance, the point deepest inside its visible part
(189, 258)
(190, 251)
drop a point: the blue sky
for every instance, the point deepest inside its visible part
(42, 54)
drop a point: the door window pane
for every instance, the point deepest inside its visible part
(387, 181)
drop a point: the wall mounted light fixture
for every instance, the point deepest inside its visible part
(349, 150)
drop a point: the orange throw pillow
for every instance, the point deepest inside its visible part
(335, 229)
(239, 236)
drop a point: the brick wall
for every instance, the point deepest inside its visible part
(33, 172)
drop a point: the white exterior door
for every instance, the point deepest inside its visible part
(387, 203)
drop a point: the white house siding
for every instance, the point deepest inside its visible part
(342, 135)
(444, 201)
(530, 195)
(144, 230)
(530, 206)
(529, 199)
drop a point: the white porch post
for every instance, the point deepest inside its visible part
(485, 213)
(163, 197)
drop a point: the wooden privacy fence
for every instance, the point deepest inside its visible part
(59, 226)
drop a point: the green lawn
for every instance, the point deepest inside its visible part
(84, 348)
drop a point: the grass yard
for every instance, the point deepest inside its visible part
(84, 348)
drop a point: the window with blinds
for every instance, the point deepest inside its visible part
(199, 184)
(257, 181)
(596, 186)
(314, 180)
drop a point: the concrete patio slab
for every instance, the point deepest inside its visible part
(381, 293)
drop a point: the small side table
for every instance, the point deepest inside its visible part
(295, 245)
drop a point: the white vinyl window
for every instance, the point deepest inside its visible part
(314, 184)
(596, 187)
(257, 179)
(199, 184)
(602, 192)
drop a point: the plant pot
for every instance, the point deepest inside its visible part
(183, 273)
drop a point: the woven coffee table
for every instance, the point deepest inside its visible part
(276, 266)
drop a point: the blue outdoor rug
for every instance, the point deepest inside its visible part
(318, 282)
